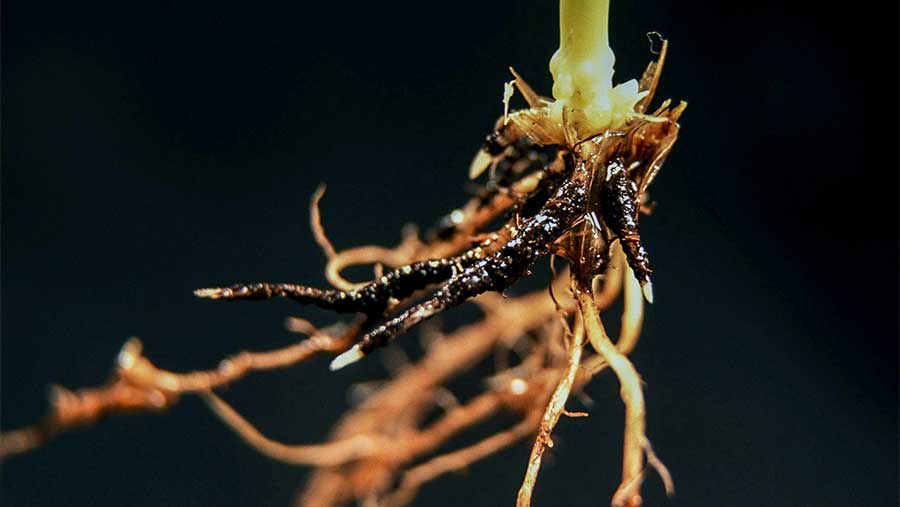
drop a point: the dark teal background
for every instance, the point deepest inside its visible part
(152, 148)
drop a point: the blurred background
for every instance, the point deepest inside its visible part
(149, 149)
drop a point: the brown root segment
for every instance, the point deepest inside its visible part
(415, 477)
(315, 223)
(552, 193)
(333, 453)
(139, 386)
(69, 410)
(552, 413)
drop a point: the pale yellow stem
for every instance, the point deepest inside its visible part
(582, 72)
(582, 68)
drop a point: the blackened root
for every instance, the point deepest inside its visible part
(473, 281)
(495, 272)
(618, 201)
(371, 299)
(638, 262)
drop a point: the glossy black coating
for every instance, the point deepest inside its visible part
(619, 209)
(371, 299)
(499, 270)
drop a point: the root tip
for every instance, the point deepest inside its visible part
(479, 164)
(647, 289)
(348, 357)
(209, 293)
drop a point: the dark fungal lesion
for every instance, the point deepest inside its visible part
(618, 199)
(372, 299)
